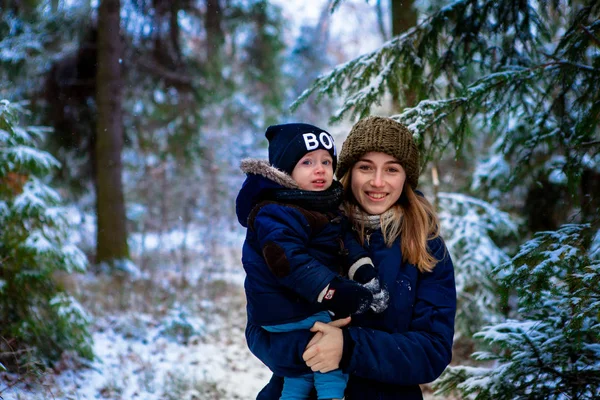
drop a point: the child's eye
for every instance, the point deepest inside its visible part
(307, 162)
(327, 162)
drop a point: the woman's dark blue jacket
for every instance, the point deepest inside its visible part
(387, 355)
(304, 247)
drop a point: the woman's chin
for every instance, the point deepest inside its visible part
(375, 209)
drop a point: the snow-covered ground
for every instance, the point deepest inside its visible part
(214, 364)
(140, 357)
(137, 360)
(156, 341)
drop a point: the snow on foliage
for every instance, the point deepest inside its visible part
(468, 225)
(553, 349)
(180, 325)
(34, 244)
(473, 65)
(492, 172)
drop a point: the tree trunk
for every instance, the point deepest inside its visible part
(213, 21)
(404, 17)
(110, 203)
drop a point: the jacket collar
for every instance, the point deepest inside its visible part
(263, 168)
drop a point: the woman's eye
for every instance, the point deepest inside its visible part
(364, 167)
(392, 170)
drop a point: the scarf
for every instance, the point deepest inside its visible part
(372, 222)
(321, 201)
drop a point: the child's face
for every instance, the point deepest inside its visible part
(314, 171)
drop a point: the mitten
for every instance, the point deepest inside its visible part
(364, 272)
(344, 298)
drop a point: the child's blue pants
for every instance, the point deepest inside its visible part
(330, 385)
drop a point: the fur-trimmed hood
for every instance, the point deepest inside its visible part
(265, 182)
(261, 177)
(263, 168)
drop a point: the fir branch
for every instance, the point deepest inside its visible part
(536, 352)
(594, 38)
(590, 144)
(517, 76)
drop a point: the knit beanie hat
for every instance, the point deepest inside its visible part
(288, 143)
(385, 135)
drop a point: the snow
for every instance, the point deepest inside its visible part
(595, 246)
(35, 197)
(21, 155)
(468, 225)
(38, 243)
(142, 356)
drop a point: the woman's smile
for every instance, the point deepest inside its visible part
(376, 196)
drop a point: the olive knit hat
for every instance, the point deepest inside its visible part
(385, 135)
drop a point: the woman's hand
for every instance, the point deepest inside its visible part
(324, 351)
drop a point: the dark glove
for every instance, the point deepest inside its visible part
(365, 272)
(345, 297)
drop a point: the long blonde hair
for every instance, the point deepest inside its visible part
(412, 217)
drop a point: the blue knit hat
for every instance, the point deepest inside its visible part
(288, 143)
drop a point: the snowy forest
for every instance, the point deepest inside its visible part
(122, 128)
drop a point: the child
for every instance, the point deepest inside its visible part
(294, 246)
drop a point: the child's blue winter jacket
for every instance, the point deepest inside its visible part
(305, 245)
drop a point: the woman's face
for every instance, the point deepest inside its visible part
(377, 182)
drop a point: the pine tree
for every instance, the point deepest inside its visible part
(552, 351)
(39, 321)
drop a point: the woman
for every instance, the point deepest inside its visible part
(387, 355)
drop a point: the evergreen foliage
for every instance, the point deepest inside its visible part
(528, 69)
(553, 350)
(39, 321)
(471, 229)
(263, 53)
(29, 41)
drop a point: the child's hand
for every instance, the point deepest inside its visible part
(344, 297)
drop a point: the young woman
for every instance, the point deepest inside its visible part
(386, 355)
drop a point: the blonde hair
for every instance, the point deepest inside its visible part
(412, 217)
